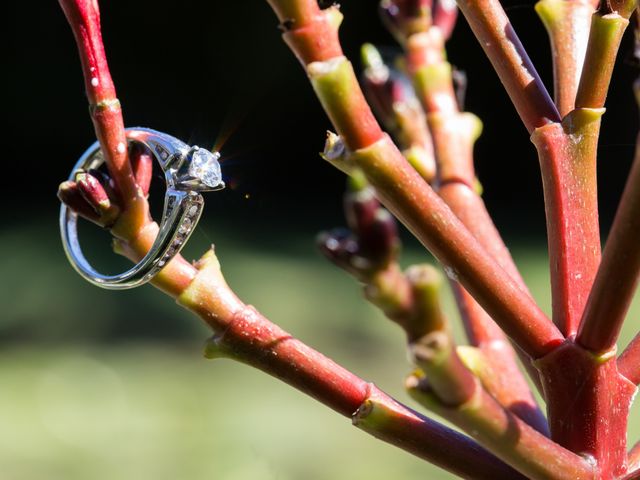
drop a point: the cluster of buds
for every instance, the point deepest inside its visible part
(404, 18)
(394, 102)
(93, 194)
(371, 242)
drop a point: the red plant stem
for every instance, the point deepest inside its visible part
(481, 329)
(445, 15)
(313, 35)
(629, 361)
(511, 439)
(84, 18)
(619, 272)
(397, 425)
(570, 185)
(511, 62)
(246, 336)
(567, 154)
(570, 190)
(588, 405)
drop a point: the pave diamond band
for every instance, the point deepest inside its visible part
(187, 170)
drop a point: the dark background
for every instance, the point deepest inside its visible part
(203, 71)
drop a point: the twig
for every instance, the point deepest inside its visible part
(511, 62)
(607, 27)
(509, 437)
(84, 18)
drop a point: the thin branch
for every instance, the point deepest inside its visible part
(84, 18)
(513, 440)
(606, 33)
(497, 37)
(369, 252)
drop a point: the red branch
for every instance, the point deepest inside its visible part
(245, 335)
(84, 18)
(511, 62)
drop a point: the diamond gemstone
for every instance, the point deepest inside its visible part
(204, 166)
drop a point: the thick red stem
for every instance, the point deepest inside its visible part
(588, 406)
(567, 155)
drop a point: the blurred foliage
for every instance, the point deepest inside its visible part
(103, 385)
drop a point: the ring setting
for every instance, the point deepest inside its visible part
(188, 171)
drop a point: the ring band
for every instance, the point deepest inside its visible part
(187, 170)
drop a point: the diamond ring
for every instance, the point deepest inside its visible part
(187, 170)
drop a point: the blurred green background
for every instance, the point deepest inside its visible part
(115, 385)
(112, 385)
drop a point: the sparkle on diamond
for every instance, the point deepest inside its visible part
(205, 167)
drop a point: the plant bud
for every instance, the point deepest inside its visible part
(360, 209)
(69, 194)
(406, 17)
(445, 14)
(377, 85)
(96, 196)
(142, 165)
(341, 248)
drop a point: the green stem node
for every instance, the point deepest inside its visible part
(336, 85)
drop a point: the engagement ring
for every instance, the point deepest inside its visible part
(187, 171)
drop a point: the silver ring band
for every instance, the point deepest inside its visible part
(188, 171)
